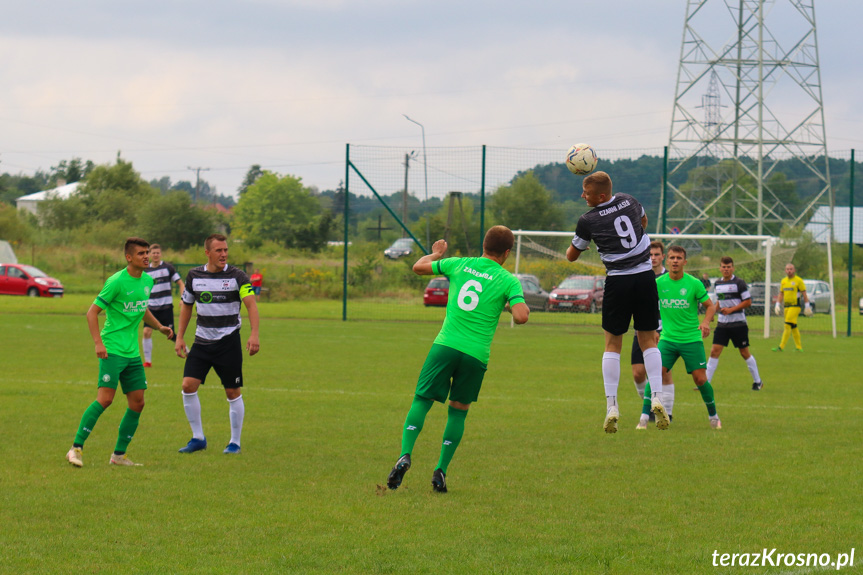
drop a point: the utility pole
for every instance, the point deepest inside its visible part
(197, 180)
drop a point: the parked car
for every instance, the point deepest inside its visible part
(19, 279)
(578, 293)
(819, 295)
(860, 305)
(400, 248)
(436, 292)
(535, 297)
(756, 291)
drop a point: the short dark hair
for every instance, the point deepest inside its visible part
(214, 238)
(600, 181)
(726, 260)
(498, 239)
(678, 249)
(155, 247)
(131, 242)
(656, 244)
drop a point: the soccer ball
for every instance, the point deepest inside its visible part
(581, 159)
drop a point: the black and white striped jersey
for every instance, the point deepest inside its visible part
(163, 276)
(615, 228)
(218, 296)
(728, 294)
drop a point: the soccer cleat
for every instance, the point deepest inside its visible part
(715, 423)
(232, 448)
(148, 364)
(75, 456)
(757, 385)
(799, 349)
(642, 423)
(612, 416)
(777, 349)
(123, 460)
(658, 410)
(398, 472)
(439, 481)
(194, 445)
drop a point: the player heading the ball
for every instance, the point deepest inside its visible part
(616, 225)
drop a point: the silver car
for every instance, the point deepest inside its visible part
(819, 295)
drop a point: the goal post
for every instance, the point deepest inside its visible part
(759, 260)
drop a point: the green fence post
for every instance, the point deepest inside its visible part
(347, 225)
(850, 241)
(482, 202)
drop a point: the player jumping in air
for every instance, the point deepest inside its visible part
(480, 289)
(616, 225)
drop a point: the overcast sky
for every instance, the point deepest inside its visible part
(286, 83)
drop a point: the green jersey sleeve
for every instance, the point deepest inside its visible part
(108, 293)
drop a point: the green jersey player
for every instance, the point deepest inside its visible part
(124, 298)
(480, 289)
(682, 332)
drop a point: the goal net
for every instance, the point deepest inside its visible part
(572, 299)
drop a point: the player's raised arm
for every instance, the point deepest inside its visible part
(423, 266)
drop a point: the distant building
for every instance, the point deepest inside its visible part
(31, 201)
(819, 229)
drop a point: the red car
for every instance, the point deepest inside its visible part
(437, 292)
(578, 293)
(18, 279)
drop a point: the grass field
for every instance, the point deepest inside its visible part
(535, 487)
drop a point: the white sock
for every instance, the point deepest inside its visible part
(712, 364)
(236, 412)
(668, 397)
(148, 349)
(653, 367)
(611, 376)
(753, 369)
(192, 405)
(639, 387)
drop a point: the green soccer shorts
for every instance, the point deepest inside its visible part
(448, 372)
(692, 354)
(127, 371)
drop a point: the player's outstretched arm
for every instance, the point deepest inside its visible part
(423, 266)
(520, 313)
(572, 253)
(151, 320)
(185, 317)
(93, 324)
(254, 343)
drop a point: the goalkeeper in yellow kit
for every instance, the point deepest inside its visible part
(792, 291)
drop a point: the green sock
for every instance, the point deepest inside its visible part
(451, 436)
(128, 425)
(88, 422)
(414, 422)
(707, 395)
(645, 405)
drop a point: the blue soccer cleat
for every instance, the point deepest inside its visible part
(232, 448)
(194, 445)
